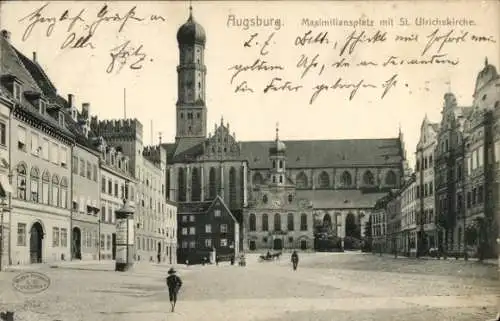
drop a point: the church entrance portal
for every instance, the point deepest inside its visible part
(278, 244)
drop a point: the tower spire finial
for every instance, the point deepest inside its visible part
(190, 10)
(277, 131)
(485, 61)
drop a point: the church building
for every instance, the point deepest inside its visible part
(330, 185)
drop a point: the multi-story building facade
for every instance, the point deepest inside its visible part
(6, 105)
(171, 224)
(207, 229)
(478, 231)
(117, 184)
(448, 172)
(427, 233)
(275, 201)
(409, 209)
(341, 178)
(40, 146)
(379, 225)
(85, 186)
(147, 165)
(393, 216)
(55, 159)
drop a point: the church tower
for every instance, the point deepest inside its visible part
(277, 155)
(191, 112)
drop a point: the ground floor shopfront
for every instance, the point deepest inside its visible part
(107, 241)
(38, 234)
(84, 240)
(155, 249)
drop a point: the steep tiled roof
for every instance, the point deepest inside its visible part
(308, 153)
(327, 153)
(49, 90)
(39, 75)
(325, 199)
(13, 63)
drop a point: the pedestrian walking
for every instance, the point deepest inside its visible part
(295, 260)
(159, 258)
(174, 284)
(217, 260)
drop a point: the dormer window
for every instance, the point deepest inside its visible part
(16, 91)
(61, 119)
(41, 106)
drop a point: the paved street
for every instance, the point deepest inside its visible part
(344, 286)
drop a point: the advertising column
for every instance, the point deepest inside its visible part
(124, 238)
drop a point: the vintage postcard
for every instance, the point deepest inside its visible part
(249, 160)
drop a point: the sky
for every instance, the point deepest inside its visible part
(151, 91)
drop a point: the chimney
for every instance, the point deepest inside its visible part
(34, 56)
(86, 110)
(6, 34)
(70, 100)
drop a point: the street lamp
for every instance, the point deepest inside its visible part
(3, 208)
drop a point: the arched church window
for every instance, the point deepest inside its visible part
(195, 185)
(232, 187)
(281, 164)
(212, 184)
(277, 222)
(290, 198)
(181, 182)
(281, 179)
(324, 180)
(264, 199)
(274, 179)
(368, 178)
(390, 178)
(182, 115)
(301, 180)
(346, 179)
(274, 164)
(252, 223)
(257, 179)
(265, 223)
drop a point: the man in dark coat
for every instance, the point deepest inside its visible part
(295, 260)
(174, 283)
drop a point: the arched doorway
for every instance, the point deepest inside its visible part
(303, 244)
(327, 221)
(76, 244)
(252, 245)
(36, 242)
(352, 231)
(278, 244)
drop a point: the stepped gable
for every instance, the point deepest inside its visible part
(327, 153)
(14, 63)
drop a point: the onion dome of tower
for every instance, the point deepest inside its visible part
(191, 32)
(278, 146)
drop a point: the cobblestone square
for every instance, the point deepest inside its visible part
(346, 286)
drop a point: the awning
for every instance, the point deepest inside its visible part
(4, 182)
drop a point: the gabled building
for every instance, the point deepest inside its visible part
(206, 230)
(478, 228)
(426, 231)
(449, 173)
